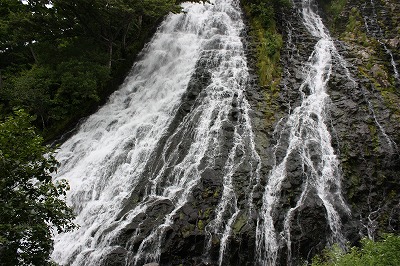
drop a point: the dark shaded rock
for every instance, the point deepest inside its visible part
(309, 230)
(116, 257)
(143, 223)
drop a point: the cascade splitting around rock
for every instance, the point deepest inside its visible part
(174, 170)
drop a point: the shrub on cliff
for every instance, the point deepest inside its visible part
(380, 253)
(31, 205)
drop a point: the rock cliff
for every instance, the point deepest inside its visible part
(364, 121)
(256, 170)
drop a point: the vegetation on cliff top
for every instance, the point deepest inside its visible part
(60, 59)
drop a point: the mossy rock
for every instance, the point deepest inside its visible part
(240, 222)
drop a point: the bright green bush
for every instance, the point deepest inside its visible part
(380, 253)
(32, 206)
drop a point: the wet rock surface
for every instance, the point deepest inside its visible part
(365, 130)
(366, 119)
(364, 126)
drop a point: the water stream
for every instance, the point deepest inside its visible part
(373, 28)
(103, 161)
(305, 135)
(223, 56)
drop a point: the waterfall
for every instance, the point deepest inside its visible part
(103, 160)
(151, 144)
(179, 130)
(304, 135)
(220, 105)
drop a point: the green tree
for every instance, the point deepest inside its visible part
(31, 205)
(115, 23)
(380, 253)
(59, 59)
(79, 86)
(31, 90)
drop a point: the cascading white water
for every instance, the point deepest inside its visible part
(111, 153)
(224, 58)
(310, 140)
(103, 160)
(106, 158)
(228, 210)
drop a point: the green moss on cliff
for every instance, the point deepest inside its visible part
(240, 222)
(200, 225)
(333, 8)
(268, 44)
(266, 38)
(392, 101)
(372, 63)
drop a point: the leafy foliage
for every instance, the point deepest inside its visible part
(30, 203)
(380, 253)
(266, 11)
(59, 59)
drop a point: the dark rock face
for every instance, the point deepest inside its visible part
(364, 125)
(366, 118)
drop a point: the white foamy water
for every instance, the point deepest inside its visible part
(105, 159)
(223, 56)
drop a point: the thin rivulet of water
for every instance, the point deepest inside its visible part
(309, 139)
(228, 209)
(373, 28)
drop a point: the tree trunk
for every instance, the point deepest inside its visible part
(1, 81)
(110, 52)
(123, 50)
